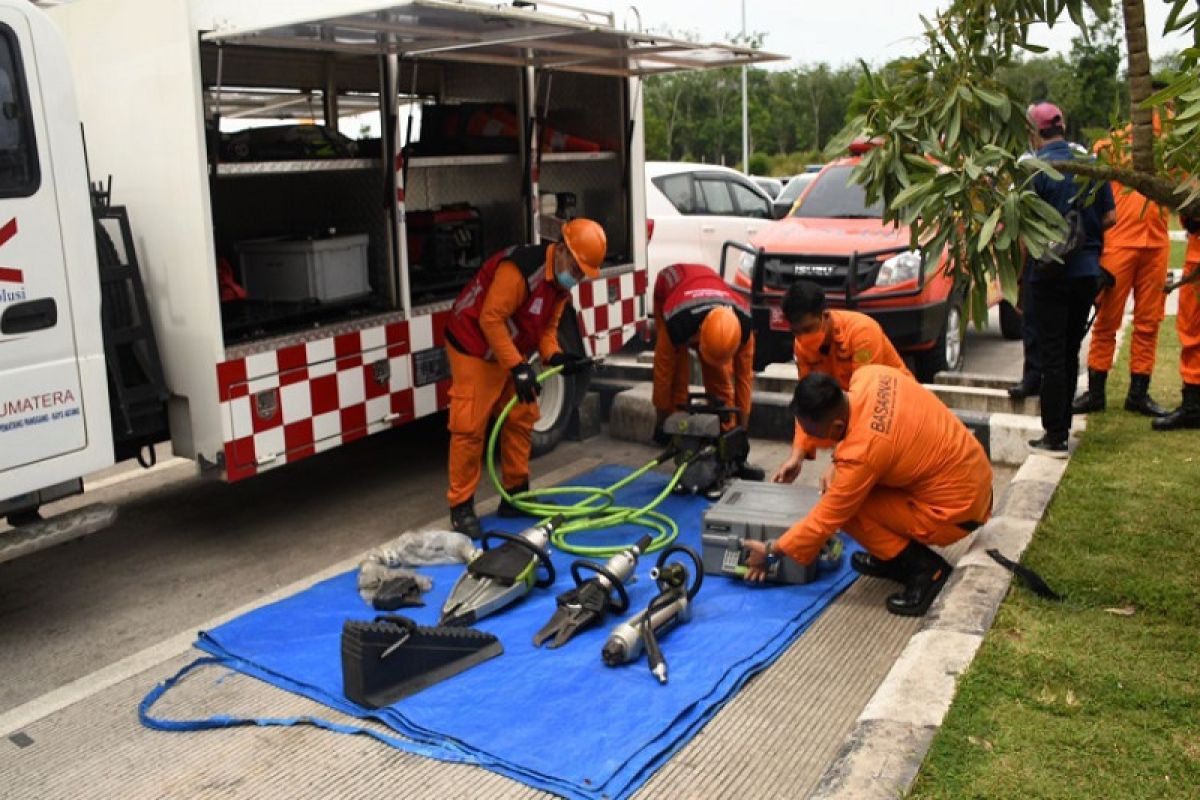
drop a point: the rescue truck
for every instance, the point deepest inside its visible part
(258, 295)
(833, 237)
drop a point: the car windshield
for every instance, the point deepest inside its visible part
(795, 186)
(834, 196)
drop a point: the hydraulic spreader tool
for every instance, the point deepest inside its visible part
(498, 577)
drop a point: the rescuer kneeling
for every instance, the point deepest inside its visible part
(906, 474)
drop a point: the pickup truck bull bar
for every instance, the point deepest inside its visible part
(778, 347)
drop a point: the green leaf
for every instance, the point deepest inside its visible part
(989, 227)
(994, 99)
(904, 197)
(955, 125)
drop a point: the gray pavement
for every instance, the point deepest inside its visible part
(91, 626)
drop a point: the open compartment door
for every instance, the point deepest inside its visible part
(439, 29)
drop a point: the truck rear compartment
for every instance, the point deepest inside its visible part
(286, 197)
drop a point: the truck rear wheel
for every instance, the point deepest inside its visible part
(946, 355)
(556, 403)
(562, 393)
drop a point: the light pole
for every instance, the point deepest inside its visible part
(745, 104)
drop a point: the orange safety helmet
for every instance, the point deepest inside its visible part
(587, 243)
(720, 335)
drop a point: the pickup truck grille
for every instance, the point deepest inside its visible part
(828, 272)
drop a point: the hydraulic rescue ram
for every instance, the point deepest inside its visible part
(673, 605)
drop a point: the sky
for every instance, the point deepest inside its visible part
(838, 32)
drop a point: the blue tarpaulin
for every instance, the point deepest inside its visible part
(559, 720)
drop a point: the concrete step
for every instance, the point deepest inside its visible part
(1004, 436)
(632, 415)
(965, 391)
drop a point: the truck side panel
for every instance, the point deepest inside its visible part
(282, 404)
(54, 423)
(157, 160)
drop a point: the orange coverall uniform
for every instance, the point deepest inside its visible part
(856, 341)
(677, 288)
(482, 387)
(907, 469)
(1187, 320)
(1136, 251)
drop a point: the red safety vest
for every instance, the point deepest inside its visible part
(531, 318)
(685, 293)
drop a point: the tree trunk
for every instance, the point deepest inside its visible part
(815, 101)
(1139, 85)
(671, 124)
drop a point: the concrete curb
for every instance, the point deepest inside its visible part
(884, 751)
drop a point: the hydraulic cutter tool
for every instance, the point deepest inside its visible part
(586, 604)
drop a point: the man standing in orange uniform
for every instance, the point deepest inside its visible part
(694, 307)
(1187, 324)
(509, 309)
(907, 474)
(835, 342)
(1136, 252)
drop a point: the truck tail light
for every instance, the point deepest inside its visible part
(649, 230)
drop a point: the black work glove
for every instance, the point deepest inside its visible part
(525, 382)
(1191, 224)
(570, 362)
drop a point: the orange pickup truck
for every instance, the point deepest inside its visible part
(834, 238)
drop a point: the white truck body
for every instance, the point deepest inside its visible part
(248, 393)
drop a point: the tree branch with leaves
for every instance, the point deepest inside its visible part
(952, 163)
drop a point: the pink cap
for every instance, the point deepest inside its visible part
(1044, 116)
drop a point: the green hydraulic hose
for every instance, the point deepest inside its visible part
(596, 510)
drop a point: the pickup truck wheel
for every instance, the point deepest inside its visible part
(946, 354)
(1010, 320)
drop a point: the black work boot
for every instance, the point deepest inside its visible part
(1186, 416)
(866, 564)
(509, 511)
(1139, 401)
(463, 519)
(925, 573)
(751, 472)
(1093, 399)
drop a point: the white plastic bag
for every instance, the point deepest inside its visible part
(419, 548)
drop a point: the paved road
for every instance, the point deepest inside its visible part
(186, 549)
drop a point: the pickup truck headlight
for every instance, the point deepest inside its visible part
(899, 268)
(746, 264)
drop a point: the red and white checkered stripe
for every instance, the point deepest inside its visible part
(283, 405)
(611, 310)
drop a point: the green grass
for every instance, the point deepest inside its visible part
(1177, 251)
(1073, 700)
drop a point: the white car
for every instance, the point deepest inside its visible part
(693, 209)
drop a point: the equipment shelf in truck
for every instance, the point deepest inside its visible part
(289, 167)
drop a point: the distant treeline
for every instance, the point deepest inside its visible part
(697, 116)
